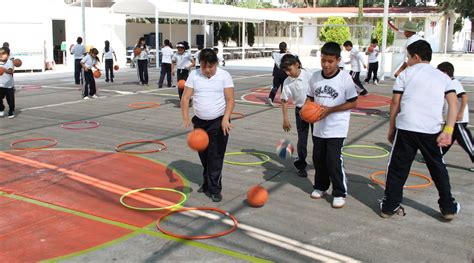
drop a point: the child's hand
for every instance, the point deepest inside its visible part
(86, 69)
(444, 139)
(459, 117)
(365, 66)
(226, 126)
(391, 136)
(325, 111)
(186, 123)
(286, 125)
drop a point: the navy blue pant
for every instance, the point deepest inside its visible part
(143, 70)
(89, 87)
(77, 71)
(109, 69)
(327, 160)
(463, 136)
(9, 94)
(279, 77)
(301, 147)
(181, 74)
(373, 68)
(165, 71)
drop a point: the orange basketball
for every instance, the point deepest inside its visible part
(17, 62)
(257, 196)
(137, 51)
(181, 84)
(2, 70)
(198, 140)
(311, 112)
(97, 74)
(116, 67)
(370, 49)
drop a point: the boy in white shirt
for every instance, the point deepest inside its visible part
(78, 50)
(183, 62)
(461, 133)
(212, 89)
(416, 119)
(335, 91)
(108, 54)
(166, 65)
(355, 60)
(7, 86)
(372, 53)
(295, 87)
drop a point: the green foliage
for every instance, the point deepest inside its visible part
(463, 7)
(225, 32)
(338, 34)
(250, 28)
(236, 34)
(378, 34)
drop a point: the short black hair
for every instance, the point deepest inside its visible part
(347, 43)
(282, 47)
(167, 42)
(374, 41)
(6, 50)
(79, 40)
(420, 48)
(331, 49)
(289, 60)
(208, 56)
(447, 68)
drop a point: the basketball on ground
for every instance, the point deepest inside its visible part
(257, 196)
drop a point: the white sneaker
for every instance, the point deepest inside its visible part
(94, 96)
(376, 82)
(316, 194)
(85, 98)
(11, 116)
(2, 113)
(338, 202)
(470, 169)
(269, 102)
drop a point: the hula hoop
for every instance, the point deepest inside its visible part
(117, 148)
(234, 227)
(385, 154)
(237, 115)
(267, 158)
(260, 90)
(53, 142)
(183, 199)
(422, 176)
(143, 105)
(67, 124)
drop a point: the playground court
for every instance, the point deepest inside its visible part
(63, 202)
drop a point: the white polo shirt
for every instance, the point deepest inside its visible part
(88, 61)
(277, 58)
(296, 88)
(144, 54)
(457, 86)
(331, 92)
(421, 106)
(108, 55)
(6, 80)
(208, 98)
(372, 57)
(78, 51)
(356, 60)
(196, 57)
(183, 61)
(166, 54)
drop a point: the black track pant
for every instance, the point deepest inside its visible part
(373, 68)
(143, 70)
(109, 69)
(463, 136)
(9, 94)
(165, 70)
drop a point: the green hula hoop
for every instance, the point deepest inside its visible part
(266, 158)
(183, 199)
(385, 152)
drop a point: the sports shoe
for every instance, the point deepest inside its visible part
(338, 202)
(94, 96)
(202, 189)
(85, 98)
(11, 115)
(399, 211)
(376, 82)
(364, 92)
(302, 173)
(316, 194)
(366, 82)
(471, 169)
(450, 216)
(2, 113)
(269, 102)
(216, 197)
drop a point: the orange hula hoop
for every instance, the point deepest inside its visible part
(53, 143)
(117, 148)
(223, 233)
(374, 179)
(143, 105)
(261, 90)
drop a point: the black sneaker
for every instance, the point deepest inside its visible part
(450, 216)
(399, 211)
(202, 189)
(216, 197)
(302, 173)
(364, 92)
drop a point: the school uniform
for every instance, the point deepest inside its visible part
(89, 88)
(356, 60)
(373, 65)
(7, 89)
(78, 50)
(166, 56)
(278, 74)
(109, 64)
(296, 88)
(461, 133)
(330, 132)
(183, 62)
(209, 106)
(418, 125)
(197, 63)
(143, 65)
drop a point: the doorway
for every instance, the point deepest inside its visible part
(59, 38)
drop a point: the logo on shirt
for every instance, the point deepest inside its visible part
(326, 92)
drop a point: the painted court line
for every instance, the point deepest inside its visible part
(260, 234)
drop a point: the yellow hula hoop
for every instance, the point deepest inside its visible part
(385, 152)
(266, 158)
(183, 199)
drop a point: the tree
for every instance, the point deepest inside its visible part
(225, 33)
(338, 34)
(378, 34)
(236, 34)
(250, 34)
(463, 7)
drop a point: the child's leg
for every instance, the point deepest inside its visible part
(107, 68)
(168, 74)
(321, 177)
(464, 138)
(145, 71)
(87, 77)
(140, 70)
(180, 76)
(2, 95)
(434, 161)
(10, 95)
(111, 69)
(303, 129)
(369, 73)
(92, 88)
(375, 68)
(356, 80)
(335, 167)
(162, 75)
(198, 123)
(403, 153)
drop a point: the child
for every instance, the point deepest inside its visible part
(461, 133)
(220, 57)
(143, 61)
(278, 75)
(213, 91)
(196, 56)
(416, 116)
(89, 61)
(355, 61)
(295, 87)
(78, 50)
(108, 53)
(7, 84)
(335, 91)
(166, 56)
(183, 62)
(373, 61)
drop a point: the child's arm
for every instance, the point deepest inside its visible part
(394, 110)
(286, 122)
(229, 107)
(464, 100)
(114, 56)
(445, 137)
(361, 59)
